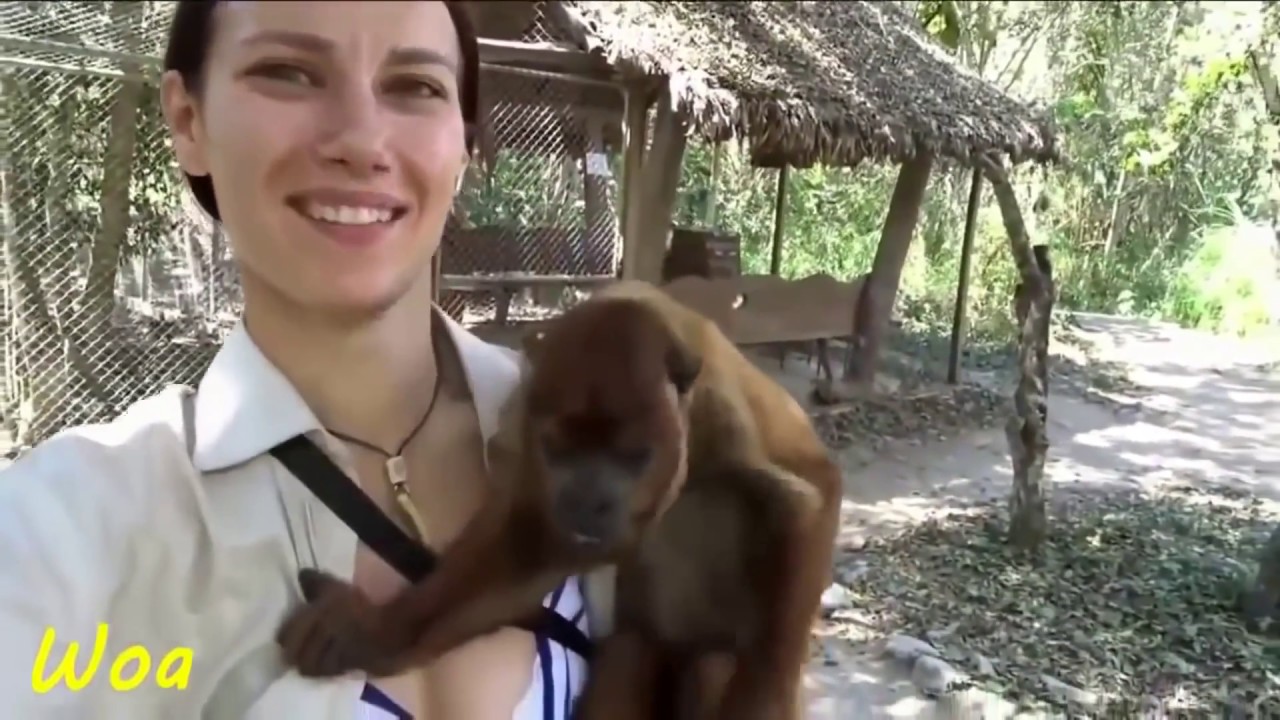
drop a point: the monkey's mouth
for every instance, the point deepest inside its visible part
(586, 540)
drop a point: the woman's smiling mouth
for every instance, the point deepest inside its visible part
(350, 218)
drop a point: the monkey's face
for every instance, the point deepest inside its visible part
(607, 417)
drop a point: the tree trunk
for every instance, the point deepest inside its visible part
(1026, 430)
(37, 345)
(98, 298)
(34, 402)
(1262, 72)
(59, 271)
(881, 288)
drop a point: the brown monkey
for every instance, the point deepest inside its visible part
(647, 440)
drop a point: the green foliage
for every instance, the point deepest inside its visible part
(1171, 155)
(1228, 283)
(1170, 160)
(526, 190)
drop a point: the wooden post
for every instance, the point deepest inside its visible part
(958, 319)
(649, 220)
(1026, 430)
(779, 220)
(598, 215)
(435, 276)
(709, 212)
(880, 289)
(635, 130)
(1043, 331)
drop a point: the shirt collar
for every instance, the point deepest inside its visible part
(245, 406)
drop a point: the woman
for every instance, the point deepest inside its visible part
(329, 139)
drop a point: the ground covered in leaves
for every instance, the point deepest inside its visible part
(922, 407)
(1134, 599)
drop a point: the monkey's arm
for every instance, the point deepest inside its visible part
(503, 587)
(494, 575)
(623, 682)
(798, 525)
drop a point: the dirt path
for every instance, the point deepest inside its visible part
(1210, 412)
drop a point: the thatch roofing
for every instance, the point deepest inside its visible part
(805, 82)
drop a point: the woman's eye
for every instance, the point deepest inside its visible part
(414, 88)
(285, 73)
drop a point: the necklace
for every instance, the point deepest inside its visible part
(397, 475)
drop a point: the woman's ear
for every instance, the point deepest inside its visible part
(183, 119)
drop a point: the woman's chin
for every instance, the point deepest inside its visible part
(349, 298)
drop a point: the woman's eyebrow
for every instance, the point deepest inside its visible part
(402, 56)
(306, 42)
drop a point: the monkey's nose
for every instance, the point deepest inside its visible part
(588, 517)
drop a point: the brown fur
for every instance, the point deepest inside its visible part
(720, 568)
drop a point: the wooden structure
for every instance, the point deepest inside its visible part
(702, 253)
(767, 310)
(538, 209)
(756, 310)
(776, 76)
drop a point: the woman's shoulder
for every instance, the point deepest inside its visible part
(494, 370)
(107, 467)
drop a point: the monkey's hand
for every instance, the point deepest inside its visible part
(337, 630)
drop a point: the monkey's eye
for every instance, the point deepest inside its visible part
(554, 450)
(633, 459)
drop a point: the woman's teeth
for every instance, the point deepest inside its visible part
(346, 215)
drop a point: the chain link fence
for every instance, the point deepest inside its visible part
(538, 209)
(114, 284)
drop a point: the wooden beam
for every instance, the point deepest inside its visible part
(880, 291)
(554, 57)
(659, 182)
(709, 212)
(958, 319)
(512, 86)
(600, 213)
(435, 277)
(779, 220)
(635, 132)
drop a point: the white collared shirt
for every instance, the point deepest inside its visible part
(116, 523)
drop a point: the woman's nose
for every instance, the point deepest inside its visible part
(357, 131)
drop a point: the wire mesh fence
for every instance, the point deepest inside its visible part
(114, 284)
(540, 202)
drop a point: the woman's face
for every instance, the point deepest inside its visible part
(333, 134)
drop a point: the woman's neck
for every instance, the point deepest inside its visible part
(372, 379)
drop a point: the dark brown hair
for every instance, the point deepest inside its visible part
(191, 34)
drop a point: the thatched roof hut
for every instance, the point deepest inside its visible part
(807, 82)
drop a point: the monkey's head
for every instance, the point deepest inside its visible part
(607, 412)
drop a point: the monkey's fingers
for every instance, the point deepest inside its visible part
(318, 655)
(298, 637)
(315, 583)
(311, 638)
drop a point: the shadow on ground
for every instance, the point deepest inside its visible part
(1205, 418)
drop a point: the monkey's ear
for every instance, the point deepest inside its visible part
(683, 365)
(531, 344)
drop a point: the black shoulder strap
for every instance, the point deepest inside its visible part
(331, 486)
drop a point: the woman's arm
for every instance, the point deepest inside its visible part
(69, 511)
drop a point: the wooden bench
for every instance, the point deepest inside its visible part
(765, 310)
(754, 310)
